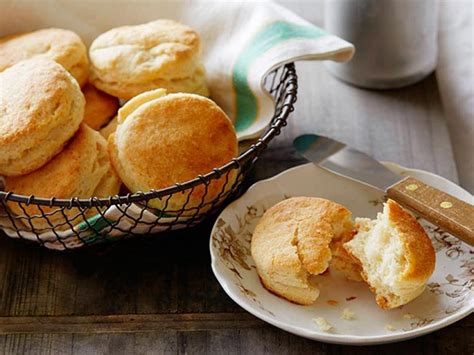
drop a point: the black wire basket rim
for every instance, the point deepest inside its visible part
(253, 151)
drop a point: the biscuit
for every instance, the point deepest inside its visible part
(130, 60)
(131, 105)
(292, 242)
(63, 46)
(138, 101)
(41, 107)
(100, 107)
(173, 139)
(395, 253)
(81, 170)
(109, 128)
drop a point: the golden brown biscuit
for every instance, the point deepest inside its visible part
(131, 105)
(63, 46)
(173, 139)
(81, 170)
(292, 242)
(138, 101)
(100, 107)
(41, 107)
(395, 253)
(130, 60)
(109, 128)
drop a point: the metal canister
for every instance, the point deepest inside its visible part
(395, 40)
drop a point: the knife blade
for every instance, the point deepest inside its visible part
(345, 161)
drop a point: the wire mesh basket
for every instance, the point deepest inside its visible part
(73, 223)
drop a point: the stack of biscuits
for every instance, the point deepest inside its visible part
(64, 135)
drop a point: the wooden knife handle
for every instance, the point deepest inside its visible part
(451, 214)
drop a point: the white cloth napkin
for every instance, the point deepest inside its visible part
(455, 74)
(242, 42)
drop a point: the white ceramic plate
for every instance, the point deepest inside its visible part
(447, 298)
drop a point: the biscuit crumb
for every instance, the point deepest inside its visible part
(347, 314)
(408, 316)
(323, 324)
(390, 327)
(332, 302)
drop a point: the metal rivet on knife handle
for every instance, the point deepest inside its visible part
(411, 187)
(446, 204)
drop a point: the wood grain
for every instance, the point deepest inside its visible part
(127, 323)
(261, 340)
(449, 213)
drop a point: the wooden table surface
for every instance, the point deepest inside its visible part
(158, 294)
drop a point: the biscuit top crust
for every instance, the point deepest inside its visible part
(63, 46)
(35, 95)
(162, 49)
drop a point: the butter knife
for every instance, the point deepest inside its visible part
(448, 212)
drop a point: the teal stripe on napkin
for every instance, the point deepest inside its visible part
(270, 36)
(96, 224)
